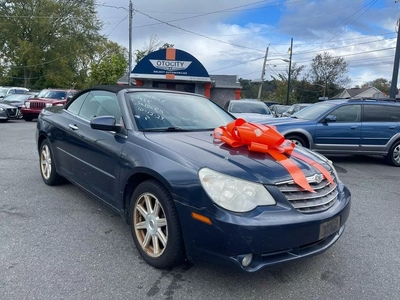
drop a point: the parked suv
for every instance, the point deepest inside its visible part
(346, 126)
(46, 98)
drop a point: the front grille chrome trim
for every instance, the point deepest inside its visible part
(324, 196)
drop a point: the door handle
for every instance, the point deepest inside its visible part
(353, 127)
(392, 127)
(73, 127)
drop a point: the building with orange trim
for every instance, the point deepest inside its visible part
(175, 69)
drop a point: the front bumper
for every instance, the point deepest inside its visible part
(30, 112)
(271, 237)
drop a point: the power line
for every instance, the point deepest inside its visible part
(198, 34)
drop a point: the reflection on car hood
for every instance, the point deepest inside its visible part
(3, 105)
(200, 150)
(251, 117)
(281, 121)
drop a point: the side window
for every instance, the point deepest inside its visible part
(348, 113)
(89, 108)
(381, 113)
(108, 105)
(101, 103)
(77, 104)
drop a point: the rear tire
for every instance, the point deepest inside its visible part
(47, 165)
(393, 157)
(155, 225)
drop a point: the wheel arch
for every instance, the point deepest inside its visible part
(140, 175)
(303, 134)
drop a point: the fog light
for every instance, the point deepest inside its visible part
(247, 260)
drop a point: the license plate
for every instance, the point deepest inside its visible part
(329, 227)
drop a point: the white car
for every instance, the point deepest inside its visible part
(251, 110)
(5, 91)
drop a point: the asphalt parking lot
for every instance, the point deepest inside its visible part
(59, 243)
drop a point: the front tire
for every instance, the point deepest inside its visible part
(47, 165)
(393, 157)
(298, 141)
(27, 118)
(155, 225)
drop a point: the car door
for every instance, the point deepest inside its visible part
(340, 135)
(379, 124)
(94, 154)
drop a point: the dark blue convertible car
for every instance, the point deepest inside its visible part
(190, 180)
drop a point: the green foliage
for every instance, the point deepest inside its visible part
(108, 70)
(47, 43)
(328, 70)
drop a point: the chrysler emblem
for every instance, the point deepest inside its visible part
(317, 178)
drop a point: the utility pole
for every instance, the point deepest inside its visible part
(290, 70)
(130, 40)
(393, 88)
(262, 74)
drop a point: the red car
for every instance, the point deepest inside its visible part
(46, 98)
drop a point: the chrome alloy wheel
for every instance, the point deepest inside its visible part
(396, 154)
(45, 162)
(150, 225)
(296, 142)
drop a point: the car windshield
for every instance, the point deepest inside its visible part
(156, 111)
(52, 94)
(313, 112)
(250, 107)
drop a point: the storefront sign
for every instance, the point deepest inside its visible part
(170, 64)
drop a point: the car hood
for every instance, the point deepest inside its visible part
(251, 117)
(15, 103)
(46, 99)
(199, 149)
(282, 121)
(3, 105)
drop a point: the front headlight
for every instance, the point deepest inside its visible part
(27, 104)
(1, 109)
(49, 104)
(232, 193)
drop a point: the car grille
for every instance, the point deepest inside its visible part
(12, 112)
(37, 105)
(325, 195)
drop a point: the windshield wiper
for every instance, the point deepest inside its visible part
(164, 129)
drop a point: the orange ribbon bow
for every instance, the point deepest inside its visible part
(266, 139)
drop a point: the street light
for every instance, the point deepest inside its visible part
(263, 71)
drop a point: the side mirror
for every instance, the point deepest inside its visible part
(106, 123)
(330, 119)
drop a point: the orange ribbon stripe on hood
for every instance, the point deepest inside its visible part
(266, 139)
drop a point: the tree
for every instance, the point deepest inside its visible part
(381, 84)
(153, 45)
(47, 43)
(327, 70)
(281, 84)
(110, 64)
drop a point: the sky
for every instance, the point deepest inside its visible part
(231, 37)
